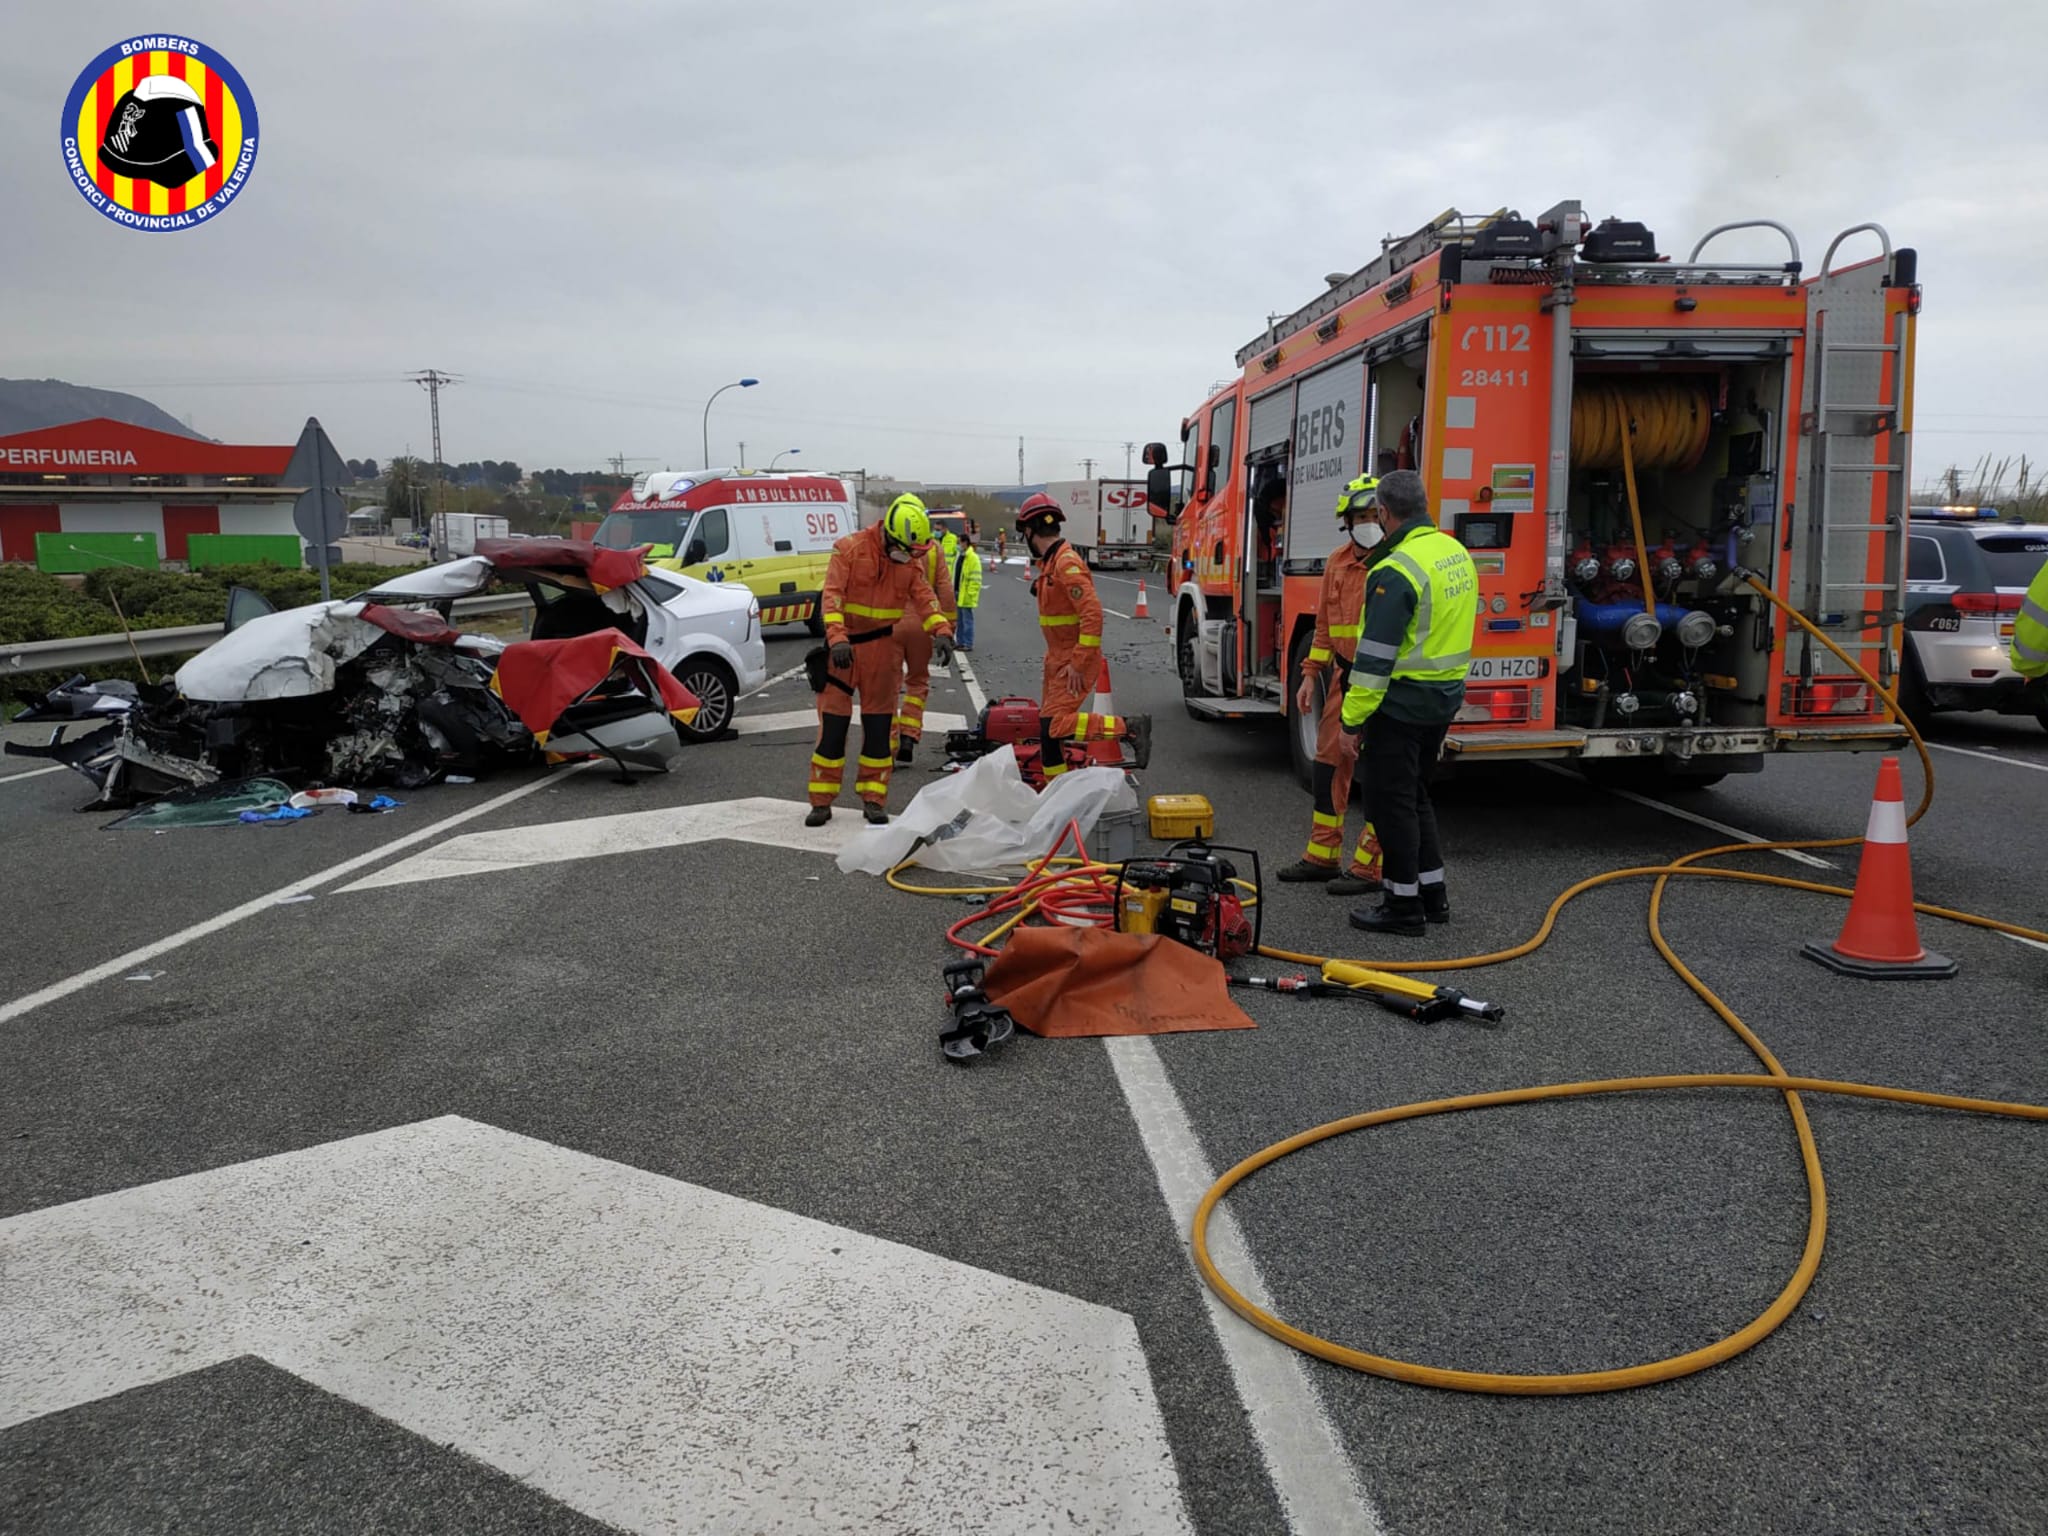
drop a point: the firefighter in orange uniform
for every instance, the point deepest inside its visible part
(1340, 609)
(1070, 618)
(915, 641)
(874, 579)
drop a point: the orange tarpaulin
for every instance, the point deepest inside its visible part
(1068, 982)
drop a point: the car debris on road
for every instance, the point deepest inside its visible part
(383, 690)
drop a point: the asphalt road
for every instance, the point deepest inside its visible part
(744, 1019)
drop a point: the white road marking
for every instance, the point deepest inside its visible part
(1795, 855)
(1119, 615)
(33, 773)
(1316, 1482)
(135, 957)
(774, 823)
(650, 1352)
(972, 683)
(2030, 943)
(1314, 1477)
(1990, 757)
(935, 721)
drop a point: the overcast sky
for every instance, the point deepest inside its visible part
(929, 228)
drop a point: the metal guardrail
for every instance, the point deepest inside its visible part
(101, 650)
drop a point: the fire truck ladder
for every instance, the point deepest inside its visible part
(1845, 415)
(1396, 252)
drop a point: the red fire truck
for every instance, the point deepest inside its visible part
(1615, 435)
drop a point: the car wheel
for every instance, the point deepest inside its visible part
(717, 696)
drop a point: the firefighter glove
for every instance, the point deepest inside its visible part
(842, 656)
(942, 650)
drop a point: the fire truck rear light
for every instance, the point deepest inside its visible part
(1827, 698)
(1720, 680)
(1497, 706)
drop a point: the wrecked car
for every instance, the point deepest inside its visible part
(383, 689)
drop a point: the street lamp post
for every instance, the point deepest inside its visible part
(782, 455)
(736, 384)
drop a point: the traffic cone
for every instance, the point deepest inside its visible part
(1102, 750)
(1880, 939)
(1141, 611)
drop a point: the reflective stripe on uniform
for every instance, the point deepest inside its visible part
(1346, 631)
(833, 618)
(1325, 820)
(1379, 650)
(1317, 654)
(873, 762)
(824, 789)
(1320, 855)
(1058, 620)
(934, 622)
(870, 787)
(1090, 640)
(874, 613)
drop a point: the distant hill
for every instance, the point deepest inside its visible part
(28, 405)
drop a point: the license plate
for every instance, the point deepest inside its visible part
(1505, 669)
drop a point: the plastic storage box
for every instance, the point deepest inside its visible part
(1178, 816)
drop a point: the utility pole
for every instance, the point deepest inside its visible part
(1020, 461)
(1087, 469)
(432, 380)
(743, 453)
(1129, 449)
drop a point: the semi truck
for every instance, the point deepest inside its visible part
(453, 535)
(1107, 521)
(1621, 440)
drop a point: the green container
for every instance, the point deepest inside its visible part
(67, 554)
(209, 549)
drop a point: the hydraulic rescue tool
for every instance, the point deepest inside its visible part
(1191, 896)
(978, 1024)
(1014, 722)
(1411, 999)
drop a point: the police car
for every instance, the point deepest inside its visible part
(1966, 574)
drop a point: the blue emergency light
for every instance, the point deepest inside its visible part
(1957, 514)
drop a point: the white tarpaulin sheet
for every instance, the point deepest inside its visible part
(986, 818)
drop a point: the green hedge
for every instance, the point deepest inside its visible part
(37, 606)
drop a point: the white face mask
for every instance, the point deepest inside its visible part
(899, 554)
(1366, 535)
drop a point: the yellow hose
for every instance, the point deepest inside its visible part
(1775, 1077)
(1672, 418)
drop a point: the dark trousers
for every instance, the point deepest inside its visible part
(1398, 758)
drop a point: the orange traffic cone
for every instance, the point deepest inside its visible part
(1880, 940)
(1141, 612)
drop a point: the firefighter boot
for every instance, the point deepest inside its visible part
(1436, 903)
(1354, 883)
(878, 816)
(820, 814)
(1307, 869)
(906, 748)
(1398, 916)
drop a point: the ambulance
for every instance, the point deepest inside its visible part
(1621, 439)
(770, 533)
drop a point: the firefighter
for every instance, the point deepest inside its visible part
(966, 585)
(1407, 683)
(874, 579)
(2030, 630)
(1070, 618)
(1338, 606)
(915, 642)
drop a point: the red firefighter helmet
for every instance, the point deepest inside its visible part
(1039, 514)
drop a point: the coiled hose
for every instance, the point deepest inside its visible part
(1774, 1077)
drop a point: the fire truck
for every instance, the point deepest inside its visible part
(1617, 437)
